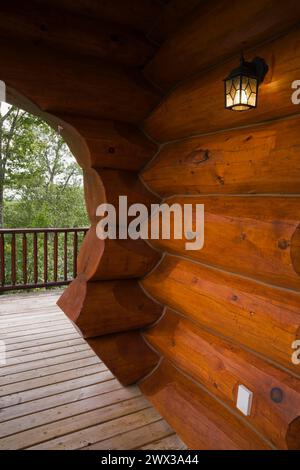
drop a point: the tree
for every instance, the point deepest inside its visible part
(40, 182)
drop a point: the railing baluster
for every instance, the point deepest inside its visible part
(75, 250)
(29, 272)
(55, 255)
(45, 257)
(24, 258)
(2, 258)
(66, 256)
(13, 259)
(35, 259)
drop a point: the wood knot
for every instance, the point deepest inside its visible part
(220, 179)
(198, 156)
(283, 244)
(276, 395)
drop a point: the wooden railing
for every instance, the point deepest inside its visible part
(38, 257)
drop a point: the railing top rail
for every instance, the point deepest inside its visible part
(42, 230)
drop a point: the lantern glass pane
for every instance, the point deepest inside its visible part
(252, 99)
(241, 93)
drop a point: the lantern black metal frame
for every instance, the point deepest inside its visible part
(257, 70)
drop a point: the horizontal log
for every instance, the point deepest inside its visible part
(126, 355)
(198, 418)
(254, 236)
(73, 33)
(197, 105)
(134, 13)
(263, 159)
(173, 14)
(104, 90)
(114, 259)
(113, 144)
(261, 317)
(213, 32)
(104, 307)
(221, 367)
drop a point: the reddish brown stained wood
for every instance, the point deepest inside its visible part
(125, 183)
(2, 259)
(24, 258)
(104, 90)
(100, 308)
(69, 32)
(13, 260)
(65, 256)
(258, 160)
(254, 236)
(105, 185)
(94, 192)
(35, 259)
(113, 144)
(114, 259)
(139, 14)
(127, 355)
(213, 32)
(221, 366)
(198, 418)
(173, 15)
(264, 318)
(197, 106)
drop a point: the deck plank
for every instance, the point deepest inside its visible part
(56, 394)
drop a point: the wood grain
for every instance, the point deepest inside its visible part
(104, 307)
(201, 421)
(67, 32)
(197, 105)
(113, 144)
(262, 160)
(213, 32)
(139, 14)
(221, 366)
(261, 317)
(126, 354)
(254, 236)
(114, 259)
(104, 90)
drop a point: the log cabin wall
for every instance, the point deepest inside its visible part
(79, 65)
(136, 86)
(232, 308)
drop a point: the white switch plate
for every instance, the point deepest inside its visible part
(244, 400)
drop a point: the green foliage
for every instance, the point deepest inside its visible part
(40, 187)
(39, 178)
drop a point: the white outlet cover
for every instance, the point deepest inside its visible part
(244, 400)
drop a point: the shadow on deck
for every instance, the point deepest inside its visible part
(56, 394)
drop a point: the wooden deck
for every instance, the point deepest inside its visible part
(56, 394)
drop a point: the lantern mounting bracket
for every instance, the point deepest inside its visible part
(261, 68)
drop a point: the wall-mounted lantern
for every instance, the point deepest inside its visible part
(241, 85)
